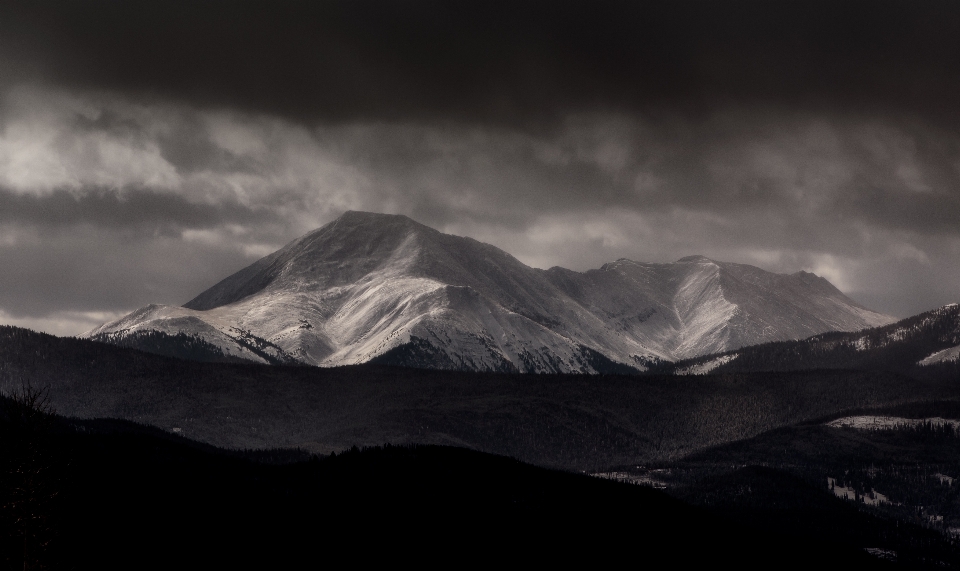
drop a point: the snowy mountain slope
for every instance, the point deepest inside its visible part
(929, 338)
(697, 306)
(383, 287)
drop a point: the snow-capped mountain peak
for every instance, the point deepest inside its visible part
(378, 287)
(695, 260)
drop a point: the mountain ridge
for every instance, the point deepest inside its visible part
(365, 284)
(926, 340)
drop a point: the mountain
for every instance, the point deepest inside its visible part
(383, 288)
(925, 341)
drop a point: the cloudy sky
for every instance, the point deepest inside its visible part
(150, 148)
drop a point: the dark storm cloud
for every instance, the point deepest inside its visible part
(517, 62)
(817, 170)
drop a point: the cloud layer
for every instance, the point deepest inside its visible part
(143, 162)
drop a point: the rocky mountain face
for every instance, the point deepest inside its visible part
(383, 288)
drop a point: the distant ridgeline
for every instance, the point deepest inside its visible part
(191, 347)
(928, 343)
(179, 345)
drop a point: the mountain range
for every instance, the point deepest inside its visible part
(386, 289)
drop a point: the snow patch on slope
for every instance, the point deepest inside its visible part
(868, 422)
(707, 366)
(703, 311)
(946, 355)
(173, 320)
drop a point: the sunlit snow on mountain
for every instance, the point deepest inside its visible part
(374, 287)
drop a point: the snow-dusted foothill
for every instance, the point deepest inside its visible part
(706, 366)
(951, 354)
(929, 340)
(376, 287)
(941, 325)
(875, 422)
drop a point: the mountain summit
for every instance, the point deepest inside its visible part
(378, 287)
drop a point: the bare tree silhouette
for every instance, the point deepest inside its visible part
(30, 474)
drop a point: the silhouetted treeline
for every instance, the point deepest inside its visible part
(420, 353)
(33, 471)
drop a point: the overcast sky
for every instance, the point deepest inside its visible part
(150, 148)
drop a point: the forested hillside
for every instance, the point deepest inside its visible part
(581, 422)
(898, 485)
(909, 346)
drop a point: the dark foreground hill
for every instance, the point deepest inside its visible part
(581, 422)
(101, 494)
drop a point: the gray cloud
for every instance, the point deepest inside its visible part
(110, 201)
(130, 207)
(90, 269)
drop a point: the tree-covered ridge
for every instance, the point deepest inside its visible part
(897, 347)
(581, 422)
(889, 480)
(181, 345)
